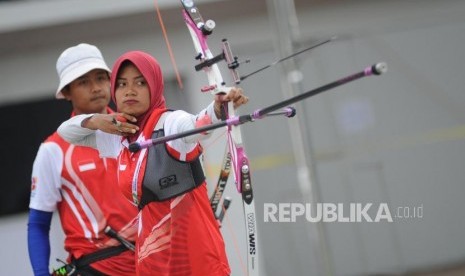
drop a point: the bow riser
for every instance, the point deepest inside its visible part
(216, 85)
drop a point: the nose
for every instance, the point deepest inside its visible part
(96, 86)
(130, 91)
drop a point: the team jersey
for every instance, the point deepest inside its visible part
(83, 188)
(179, 236)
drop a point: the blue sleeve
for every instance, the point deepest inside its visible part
(38, 240)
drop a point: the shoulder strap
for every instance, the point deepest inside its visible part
(99, 255)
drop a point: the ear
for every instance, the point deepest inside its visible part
(66, 93)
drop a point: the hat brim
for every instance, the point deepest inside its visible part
(78, 71)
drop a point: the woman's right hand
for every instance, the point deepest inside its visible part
(115, 123)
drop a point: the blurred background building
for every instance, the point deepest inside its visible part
(398, 139)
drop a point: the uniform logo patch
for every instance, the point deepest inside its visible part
(168, 181)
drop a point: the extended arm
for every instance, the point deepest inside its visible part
(180, 121)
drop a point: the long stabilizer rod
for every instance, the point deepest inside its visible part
(288, 57)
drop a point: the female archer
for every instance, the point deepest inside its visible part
(178, 233)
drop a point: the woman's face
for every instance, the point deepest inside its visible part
(132, 91)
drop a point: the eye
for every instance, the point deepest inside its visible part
(102, 78)
(83, 82)
(120, 84)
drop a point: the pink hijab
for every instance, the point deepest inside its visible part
(150, 69)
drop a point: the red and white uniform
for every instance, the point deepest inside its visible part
(179, 236)
(83, 188)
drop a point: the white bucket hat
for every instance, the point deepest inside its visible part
(77, 61)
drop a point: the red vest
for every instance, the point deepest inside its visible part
(178, 236)
(91, 200)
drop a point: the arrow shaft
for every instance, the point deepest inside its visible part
(376, 69)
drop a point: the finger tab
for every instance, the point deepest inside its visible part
(121, 119)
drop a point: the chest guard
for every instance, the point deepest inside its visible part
(166, 177)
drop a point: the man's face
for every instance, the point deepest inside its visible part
(90, 93)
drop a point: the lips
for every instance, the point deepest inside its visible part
(130, 102)
(98, 98)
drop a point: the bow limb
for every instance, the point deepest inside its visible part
(199, 30)
(216, 84)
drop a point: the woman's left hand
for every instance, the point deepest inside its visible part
(235, 95)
